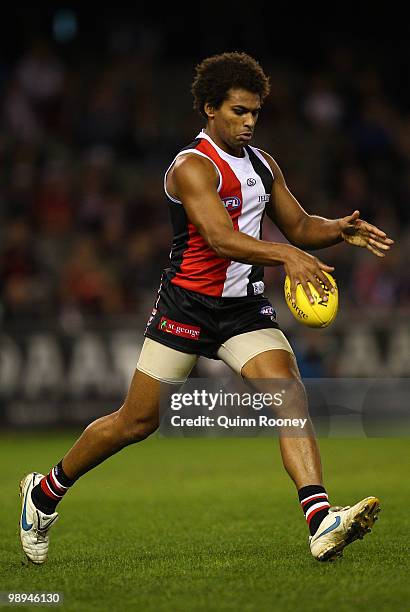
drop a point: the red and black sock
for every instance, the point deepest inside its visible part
(315, 505)
(51, 489)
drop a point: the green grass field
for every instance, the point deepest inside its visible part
(208, 524)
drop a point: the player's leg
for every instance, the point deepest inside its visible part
(134, 421)
(266, 355)
(263, 358)
(260, 360)
(299, 449)
(160, 370)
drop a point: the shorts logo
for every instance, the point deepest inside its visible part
(179, 329)
(268, 311)
(231, 203)
(251, 182)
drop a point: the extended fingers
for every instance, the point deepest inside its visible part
(376, 233)
(311, 271)
(379, 245)
(293, 285)
(322, 286)
(372, 229)
(306, 289)
(374, 250)
(320, 281)
(381, 239)
(325, 282)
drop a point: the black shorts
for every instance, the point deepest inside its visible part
(198, 324)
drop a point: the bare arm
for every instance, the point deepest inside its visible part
(314, 232)
(193, 181)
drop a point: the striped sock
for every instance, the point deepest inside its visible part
(315, 505)
(51, 489)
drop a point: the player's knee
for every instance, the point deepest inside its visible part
(292, 393)
(140, 430)
(136, 428)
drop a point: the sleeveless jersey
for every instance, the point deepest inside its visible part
(245, 186)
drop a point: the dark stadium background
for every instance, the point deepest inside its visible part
(95, 103)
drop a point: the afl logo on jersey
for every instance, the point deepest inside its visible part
(231, 203)
(251, 182)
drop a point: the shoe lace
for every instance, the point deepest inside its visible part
(338, 508)
(41, 536)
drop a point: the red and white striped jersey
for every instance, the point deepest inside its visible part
(245, 187)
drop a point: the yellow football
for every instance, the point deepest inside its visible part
(319, 314)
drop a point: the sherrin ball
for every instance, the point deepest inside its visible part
(319, 314)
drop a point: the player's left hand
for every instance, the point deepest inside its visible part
(362, 234)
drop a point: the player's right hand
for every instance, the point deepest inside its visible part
(302, 268)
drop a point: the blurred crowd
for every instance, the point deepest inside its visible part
(84, 146)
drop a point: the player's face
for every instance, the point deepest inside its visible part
(234, 121)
